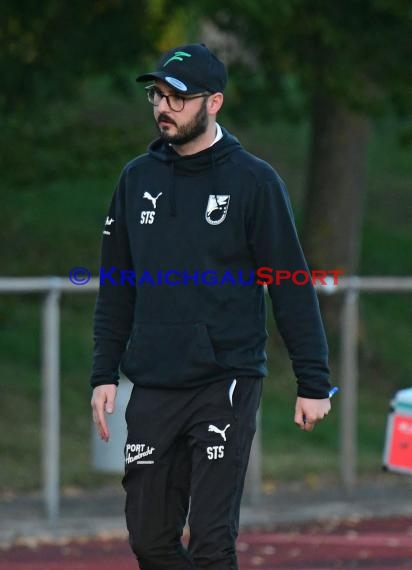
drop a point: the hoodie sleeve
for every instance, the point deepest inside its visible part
(275, 244)
(114, 309)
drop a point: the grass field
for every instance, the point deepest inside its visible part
(58, 185)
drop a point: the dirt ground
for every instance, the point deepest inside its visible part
(384, 543)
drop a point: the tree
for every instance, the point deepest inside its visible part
(49, 47)
(349, 60)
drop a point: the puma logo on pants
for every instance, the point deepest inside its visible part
(221, 431)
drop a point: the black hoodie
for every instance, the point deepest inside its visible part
(179, 304)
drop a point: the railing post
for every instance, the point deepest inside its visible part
(349, 384)
(51, 403)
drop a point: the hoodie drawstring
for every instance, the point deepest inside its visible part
(215, 176)
(172, 193)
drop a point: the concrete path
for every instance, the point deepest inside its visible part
(100, 513)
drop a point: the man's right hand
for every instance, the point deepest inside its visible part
(103, 401)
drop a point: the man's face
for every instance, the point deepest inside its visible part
(184, 126)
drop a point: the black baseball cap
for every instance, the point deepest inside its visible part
(190, 69)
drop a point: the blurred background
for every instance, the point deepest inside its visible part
(322, 90)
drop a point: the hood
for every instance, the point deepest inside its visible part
(191, 165)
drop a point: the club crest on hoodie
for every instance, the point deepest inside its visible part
(217, 207)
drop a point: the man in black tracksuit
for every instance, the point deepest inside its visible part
(181, 311)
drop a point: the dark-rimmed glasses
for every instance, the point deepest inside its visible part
(175, 101)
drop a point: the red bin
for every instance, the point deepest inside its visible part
(397, 454)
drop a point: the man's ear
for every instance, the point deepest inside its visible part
(215, 103)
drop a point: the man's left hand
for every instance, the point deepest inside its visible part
(309, 411)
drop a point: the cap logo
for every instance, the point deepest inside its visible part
(178, 55)
(176, 83)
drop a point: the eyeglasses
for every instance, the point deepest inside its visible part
(176, 102)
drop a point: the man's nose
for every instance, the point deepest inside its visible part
(163, 105)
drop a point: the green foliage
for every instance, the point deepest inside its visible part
(356, 52)
(48, 47)
(59, 140)
(279, 53)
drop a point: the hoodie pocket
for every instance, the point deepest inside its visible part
(169, 354)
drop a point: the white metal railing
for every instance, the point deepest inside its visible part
(53, 287)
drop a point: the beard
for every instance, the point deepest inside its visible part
(189, 132)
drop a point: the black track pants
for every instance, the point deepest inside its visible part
(188, 443)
